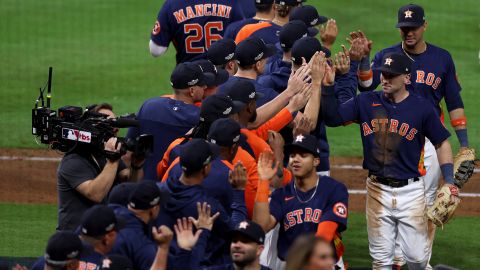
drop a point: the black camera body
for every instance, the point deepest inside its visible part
(73, 127)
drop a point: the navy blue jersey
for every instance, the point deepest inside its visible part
(234, 27)
(193, 25)
(300, 212)
(266, 30)
(166, 119)
(393, 134)
(248, 8)
(433, 76)
(268, 93)
(89, 260)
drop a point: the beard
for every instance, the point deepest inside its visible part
(253, 117)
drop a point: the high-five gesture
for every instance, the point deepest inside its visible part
(298, 79)
(205, 219)
(267, 167)
(329, 33)
(184, 232)
(238, 176)
(317, 65)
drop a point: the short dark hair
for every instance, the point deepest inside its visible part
(103, 106)
(284, 10)
(263, 7)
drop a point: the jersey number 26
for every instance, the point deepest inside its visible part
(195, 33)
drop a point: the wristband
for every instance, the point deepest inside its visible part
(462, 121)
(365, 76)
(364, 63)
(462, 137)
(263, 190)
(447, 172)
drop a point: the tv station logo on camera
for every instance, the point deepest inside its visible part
(76, 135)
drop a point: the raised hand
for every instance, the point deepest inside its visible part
(298, 79)
(275, 140)
(329, 78)
(205, 219)
(317, 64)
(302, 125)
(329, 33)
(342, 61)
(300, 99)
(362, 38)
(184, 232)
(162, 235)
(238, 176)
(266, 166)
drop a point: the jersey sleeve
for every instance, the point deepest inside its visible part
(337, 207)
(162, 30)
(452, 88)
(349, 110)
(276, 205)
(433, 127)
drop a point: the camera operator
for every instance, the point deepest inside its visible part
(86, 175)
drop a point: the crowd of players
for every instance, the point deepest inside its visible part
(239, 174)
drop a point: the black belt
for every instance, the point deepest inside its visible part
(396, 183)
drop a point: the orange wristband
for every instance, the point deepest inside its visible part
(462, 121)
(263, 190)
(363, 76)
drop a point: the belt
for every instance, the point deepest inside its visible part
(396, 183)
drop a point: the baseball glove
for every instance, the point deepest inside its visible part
(463, 166)
(444, 206)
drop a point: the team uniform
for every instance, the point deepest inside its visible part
(268, 31)
(193, 25)
(393, 136)
(89, 260)
(235, 27)
(268, 94)
(433, 77)
(300, 212)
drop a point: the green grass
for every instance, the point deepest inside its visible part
(24, 231)
(99, 51)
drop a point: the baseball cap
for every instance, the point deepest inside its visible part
(293, 31)
(195, 154)
(241, 92)
(189, 74)
(100, 220)
(62, 247)
(307, 14)
(121, 193)
(252, 50)
(219, 74)
(116, 262)
(305, 142)
(217, 106)
(145, 195)
(251, 230)
(306, 47)
(224, 132)
(410, 16)
(289, 2)
(395, 63)
(222, 51)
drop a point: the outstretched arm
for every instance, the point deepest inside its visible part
(261, 210)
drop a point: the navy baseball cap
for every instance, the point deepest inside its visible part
(116, 262)
(100, 220)
(190, 74)
(241, 92)
(222, 51)
(251, 230)
(307, 14)
(145, 195)
(289, 2)
(306, 47)
(217, 106)
(252, 50)
(121, 193)
(62, 247)
(224, 132)
(411, 16)
(293, 31)
(221, 75)
(305, 142)
(197, 153)
(395, 63)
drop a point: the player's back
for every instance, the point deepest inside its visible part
(193, 25)
(167, 119)
(266, 30)
(233, 28)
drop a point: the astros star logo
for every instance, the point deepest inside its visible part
(243, 225)
(408, 14)
(388, 61)
(299, 138)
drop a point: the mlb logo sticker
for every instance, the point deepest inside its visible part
(75, 135)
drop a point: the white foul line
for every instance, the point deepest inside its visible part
(363, 192)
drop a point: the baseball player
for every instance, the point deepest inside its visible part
(264, 12)
(394, 124)
(192, 26)
(222, 55)
(432, 76)
(308, 204)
